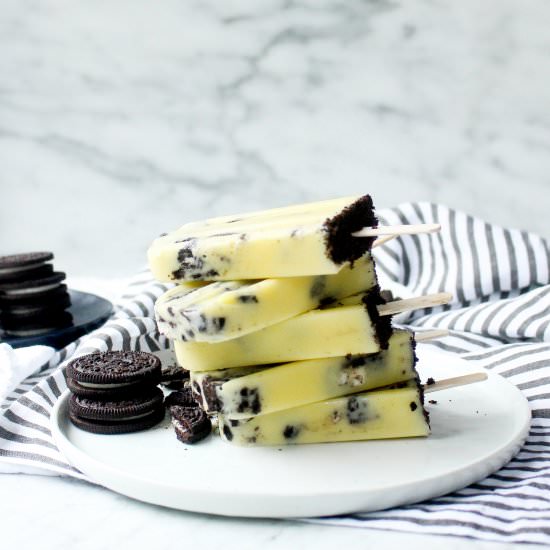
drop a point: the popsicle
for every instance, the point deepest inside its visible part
(228, 309)
(299, 240)
(318, 333)
(361, 326)
(380, 414)
(251, 391)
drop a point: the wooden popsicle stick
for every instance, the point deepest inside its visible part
(455, 382)
(383, 240)
(394, 230)
(419, 302)
(427, 335)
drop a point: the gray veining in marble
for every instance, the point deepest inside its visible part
(120, 120)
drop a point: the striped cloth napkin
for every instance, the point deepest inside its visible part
(499, 320)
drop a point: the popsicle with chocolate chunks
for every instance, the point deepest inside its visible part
(330, 332)
(294, 241)
(229, 309)
(380, 414)
(241, 393)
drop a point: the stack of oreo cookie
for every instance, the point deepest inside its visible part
(115, 392)
(33, 298)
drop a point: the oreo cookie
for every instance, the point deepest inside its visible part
(26, 308)
(36, 272)
(44, 298)
(108, 374)
(16, 267)
(190, 424)
(35, 322)
(116, 417)
(31, 286)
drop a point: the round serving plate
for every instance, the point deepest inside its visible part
(476, 429)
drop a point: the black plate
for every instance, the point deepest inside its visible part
(89, 312)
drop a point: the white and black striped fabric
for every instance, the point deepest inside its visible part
(499, 320)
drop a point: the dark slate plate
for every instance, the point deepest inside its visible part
(89, 312)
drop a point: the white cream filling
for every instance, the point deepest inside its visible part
(135, 417)
(31, 290)
(103, 386)
(25, 309)
(5, 270)
(30, 332)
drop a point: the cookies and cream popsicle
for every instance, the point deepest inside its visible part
(228, 309)
(318, 333)
(379, 414)
(241, 393)
(295, 241)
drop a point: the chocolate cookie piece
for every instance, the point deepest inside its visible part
(387, 296)
(174, 377)
(341, 246)
(190, 424)
(117, 417)
(382, 324)
(113, 373)
(182, 398)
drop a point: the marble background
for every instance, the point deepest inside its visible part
(120, 119)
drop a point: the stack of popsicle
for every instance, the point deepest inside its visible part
(279, 318)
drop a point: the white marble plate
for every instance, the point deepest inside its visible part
(475, 430)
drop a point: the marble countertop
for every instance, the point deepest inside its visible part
(120, 120)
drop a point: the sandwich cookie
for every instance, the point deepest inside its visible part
(120, 416)
(113, 374)
(190, 424)
(34, 322)
(48, 298)
(18, 267)
(31, 287)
